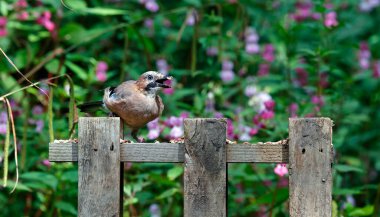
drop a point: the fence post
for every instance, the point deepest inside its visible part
(99, 167)
(310, 162)
(205, 168)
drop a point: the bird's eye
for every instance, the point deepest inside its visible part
(150, 77)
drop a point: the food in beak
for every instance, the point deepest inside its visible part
(160, 82)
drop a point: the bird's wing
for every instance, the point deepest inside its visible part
(160, 105)
(125, 89)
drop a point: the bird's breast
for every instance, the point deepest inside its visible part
(136, 111)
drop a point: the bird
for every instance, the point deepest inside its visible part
(135, 102)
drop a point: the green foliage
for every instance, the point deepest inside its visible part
(313, 70)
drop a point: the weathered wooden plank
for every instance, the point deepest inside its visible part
(310, 159)
(205, 168)
(99, 167)
(63, 152)
(152, 152)
(272, 152)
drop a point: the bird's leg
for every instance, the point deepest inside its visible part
(134, 135)
(111, 114)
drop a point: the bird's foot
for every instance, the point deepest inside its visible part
(125, 141)
(140, 140)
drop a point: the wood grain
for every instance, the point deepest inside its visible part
(272, 152)
(269, 152)
(99, 167)
(205, 168)
(63, 152)
(310, 162)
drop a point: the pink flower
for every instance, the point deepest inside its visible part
(302, 76)
(230, 130)
(227, 65)
(3, 32)
(252, 48)
(174, 121)
(269, 105)
(293, 108)
(3, 26)
(148, 23)
(37, 110)
(176, 132)
(227, 76)
(44, 20)
(330, 19)
(323, 79)
(153, 124)
(3, 21)
(376, 69)
(23, 15)
(281, 169)
(153, 134)
(162, 66)
(46, 163)
(169, 91)
(253, 131)
(364, 55)
(192, 18)
(212, 51)
(250, 91)
(100, 71)
(101, 66)
(263, 69)
(266, 115)
(152, 6)
(101, 76)
(368, 5)
(317, 100)
(3, 128)
(268, 53)
(39, 125)
(251, 41)
(21, 4)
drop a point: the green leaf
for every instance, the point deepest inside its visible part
(131, 201)
(105, 11)
(20, 186)
(67, 207)
(175, 172)
(345, 191)
(347, 168)
(75, 4)
(52, 66)
(364, 211)
(70, 176)
(40, 177)
(78, 70)
(168, 193)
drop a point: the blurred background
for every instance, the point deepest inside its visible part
(256, 63)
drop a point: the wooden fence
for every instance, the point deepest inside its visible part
(205, 155)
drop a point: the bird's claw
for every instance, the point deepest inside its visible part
(125, 141)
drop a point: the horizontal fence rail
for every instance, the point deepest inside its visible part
(270, 152)
(205, 154)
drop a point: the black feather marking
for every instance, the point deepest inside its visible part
(90, 106)
(112, 91)
(150, 86)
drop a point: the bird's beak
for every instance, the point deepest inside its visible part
(160, 82)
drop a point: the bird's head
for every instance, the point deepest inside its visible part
(152, 81)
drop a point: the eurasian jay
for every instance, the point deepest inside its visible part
(135, 102)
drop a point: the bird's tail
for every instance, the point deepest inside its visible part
(90, 106)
